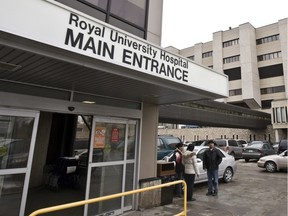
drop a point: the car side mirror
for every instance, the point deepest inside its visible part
(199, 160)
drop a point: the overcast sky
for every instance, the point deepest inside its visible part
(187, 22)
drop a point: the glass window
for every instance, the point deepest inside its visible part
(129, 15)
(105, 181)
(129, 183)
(15, 134)
(160, 144)
(99, 3)
(131, 141)
(232, 143)
(82, 139)
(130, 10)
(11, 187)
(284, 114)
(125, 26)
(220, 143)
(207, 54)
(266, 104)
(279, 119)
(109, 142)
(200, 154)
(233, 74)
(267, 39)
(271, 71)
(231, 59)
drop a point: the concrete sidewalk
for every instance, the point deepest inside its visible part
(200, 207)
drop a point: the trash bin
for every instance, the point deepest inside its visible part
(167, 192)
(166, 172)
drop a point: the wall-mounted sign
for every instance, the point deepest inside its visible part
(71, 30)
(99, 137)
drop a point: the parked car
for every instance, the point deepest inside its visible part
(275, 162)
(227, 168)
(257, 149)
(282, 146)
(165, 145)
(242, 142)
(200, 143)
(230, 146)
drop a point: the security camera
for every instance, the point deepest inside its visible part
(70, 108)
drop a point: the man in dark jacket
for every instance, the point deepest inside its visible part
(211, 160)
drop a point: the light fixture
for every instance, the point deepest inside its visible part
(89, 102)
(8, 66)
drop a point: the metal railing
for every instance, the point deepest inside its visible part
(113, 196)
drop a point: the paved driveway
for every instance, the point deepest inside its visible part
(253, 192)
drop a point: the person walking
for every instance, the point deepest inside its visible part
(211, 160)
(191, 168)
(179, 167)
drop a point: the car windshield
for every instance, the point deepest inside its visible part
(173, 141)
(256, 145)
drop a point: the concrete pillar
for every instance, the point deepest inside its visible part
(40, 151)
(148, 151)
(249, 69)
(277, 135)
(283, 30)
(217, 52)
(198, 53)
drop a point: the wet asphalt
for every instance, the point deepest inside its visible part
(252, 192)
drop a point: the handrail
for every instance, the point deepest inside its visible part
(113, 196)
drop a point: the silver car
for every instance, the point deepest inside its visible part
(227, 168)
(274, 162)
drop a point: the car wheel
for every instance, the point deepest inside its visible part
(246, 160)
(228, 175)
(270, 166)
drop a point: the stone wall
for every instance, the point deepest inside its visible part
(192, 134)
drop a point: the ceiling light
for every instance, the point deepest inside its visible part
(89, 102)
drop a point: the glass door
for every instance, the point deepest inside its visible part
(112, 163)
(17, 140)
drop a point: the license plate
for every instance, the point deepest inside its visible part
(250, 151)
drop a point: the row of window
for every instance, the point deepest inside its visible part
(207, 54)
(280, 115)
(272, 90)
(231, 59)
(267, 39)
(231, 43)
(235, 92)
(269, 56)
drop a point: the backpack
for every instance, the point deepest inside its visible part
(177, 159)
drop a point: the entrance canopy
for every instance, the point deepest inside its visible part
(52, 46)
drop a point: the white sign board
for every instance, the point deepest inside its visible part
(55, 24)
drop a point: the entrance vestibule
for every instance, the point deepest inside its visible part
(104, 165)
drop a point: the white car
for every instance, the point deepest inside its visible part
(274, 162)
(227, 168)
